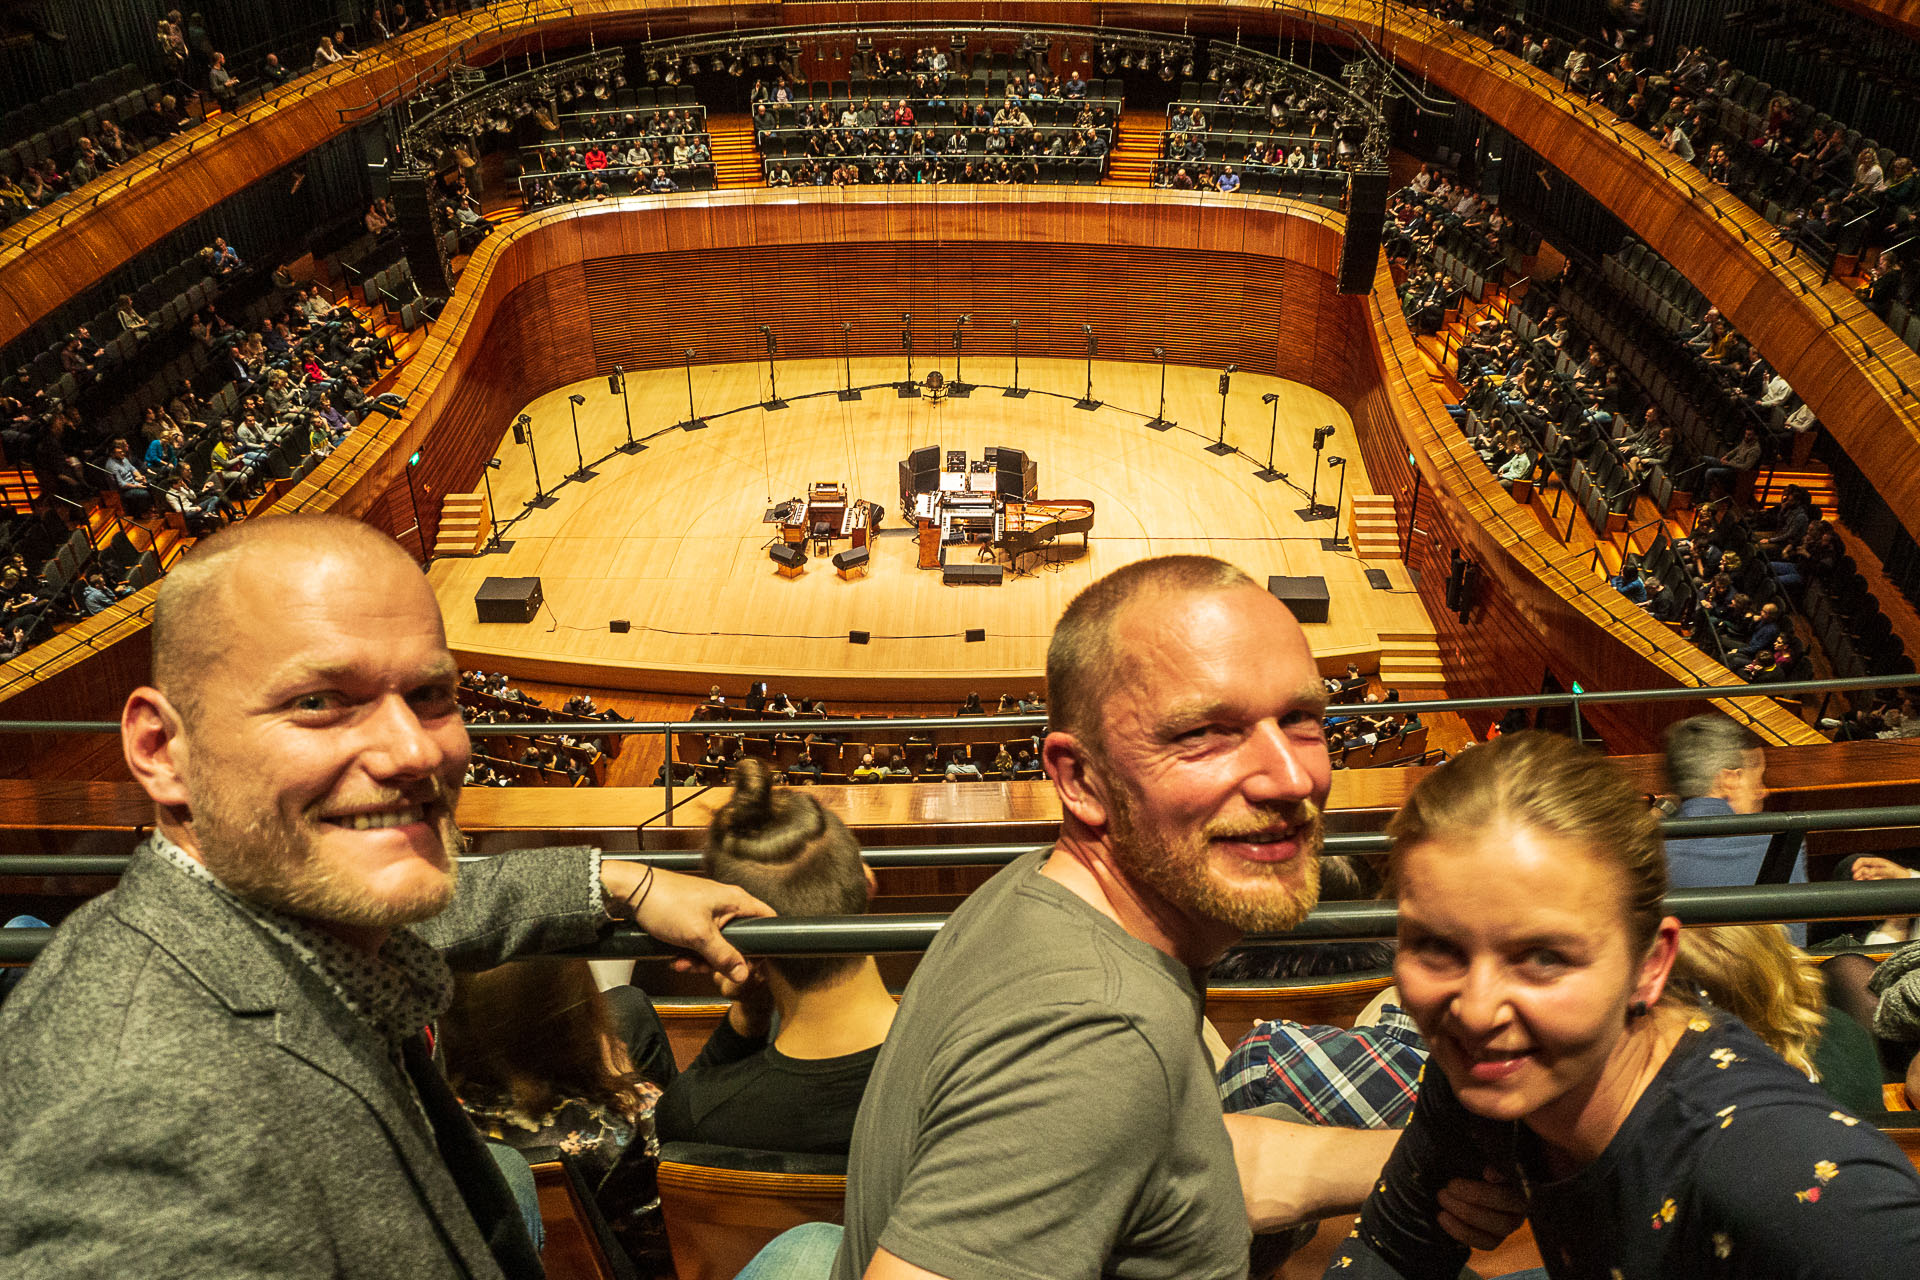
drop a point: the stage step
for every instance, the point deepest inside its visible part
(1412, 660)
(463, 525)
(1374, 527)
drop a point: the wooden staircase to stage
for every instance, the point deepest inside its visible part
(1411, 660)
(1136, 145)
(736, 161)
(1374, 526)
(463, 525)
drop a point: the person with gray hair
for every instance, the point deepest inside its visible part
(1717, 768)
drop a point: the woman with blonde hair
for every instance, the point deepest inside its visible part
(1649, 1136)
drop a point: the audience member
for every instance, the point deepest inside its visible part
(800, 1089)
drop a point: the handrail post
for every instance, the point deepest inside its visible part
(666, 768)
(1579, 729)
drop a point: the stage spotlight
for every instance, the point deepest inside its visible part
(1126, 62)
(1186, 68)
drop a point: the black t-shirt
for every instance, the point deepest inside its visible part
(743, 1092)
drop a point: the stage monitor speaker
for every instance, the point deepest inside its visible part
(788, 556)
(925, 461)
(1366, 216)
(986, 575)
(416, 216)
(1305, 598)
(619, 626)
(508, 599)
(851, 558)
(1016, 476)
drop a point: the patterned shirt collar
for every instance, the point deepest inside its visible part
(396, 992)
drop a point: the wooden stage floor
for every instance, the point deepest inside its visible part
(672, 539)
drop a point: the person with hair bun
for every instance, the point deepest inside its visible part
(1651, 1137)
(787, 1068)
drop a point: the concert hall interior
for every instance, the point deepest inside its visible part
(1558, 366)
(673, 540)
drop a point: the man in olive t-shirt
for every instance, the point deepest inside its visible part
(1043, 1108)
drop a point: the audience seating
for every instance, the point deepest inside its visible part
(723, 1204)
(579, 1245)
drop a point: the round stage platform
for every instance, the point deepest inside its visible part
(673, 540)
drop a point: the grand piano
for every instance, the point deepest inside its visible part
(1021, 528)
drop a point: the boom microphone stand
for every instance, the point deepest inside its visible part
(1093, 344)
(958, 388)
(1267, 472)
(1338, 541)
(846, 353)
(1313, 510)
(1220, 446)
(574, 402)
(909, 389)
(1016, 391)
(617, 384)
(773, 385)
(694, 421)
(1160, 422)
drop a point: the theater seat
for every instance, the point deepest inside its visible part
(579, 1244)
(723, 1204)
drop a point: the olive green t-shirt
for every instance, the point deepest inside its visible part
(1043, 1108)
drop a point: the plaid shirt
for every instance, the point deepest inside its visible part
(1366, 1078)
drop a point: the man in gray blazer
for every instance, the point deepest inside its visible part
(219, 1067)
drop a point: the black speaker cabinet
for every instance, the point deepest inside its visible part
(416, 218)
(986, 575)
(1366, 216)
(1305, 598)
(1016, 476)
(508, 599)
(787, 556)
(851, 558)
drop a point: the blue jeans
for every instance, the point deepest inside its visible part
(519, 1175)
(805, 1252)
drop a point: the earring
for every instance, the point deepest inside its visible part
(1638, 1009)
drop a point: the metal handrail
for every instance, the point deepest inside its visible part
(999, 853)
(1329, 922)
(801, 724)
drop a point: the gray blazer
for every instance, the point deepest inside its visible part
(179, 1096)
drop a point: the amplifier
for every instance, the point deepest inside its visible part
(852, 558)
(983, 574)
(508, 599)
(790, 557)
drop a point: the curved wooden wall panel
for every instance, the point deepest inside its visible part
(635, 281)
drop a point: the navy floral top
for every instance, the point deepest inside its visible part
(618, 1157)
(1731, 1164)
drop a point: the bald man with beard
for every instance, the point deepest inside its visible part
(219, 1067)
(1044, 1106)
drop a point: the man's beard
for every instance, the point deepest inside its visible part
(265, 861)
(1180, 870)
